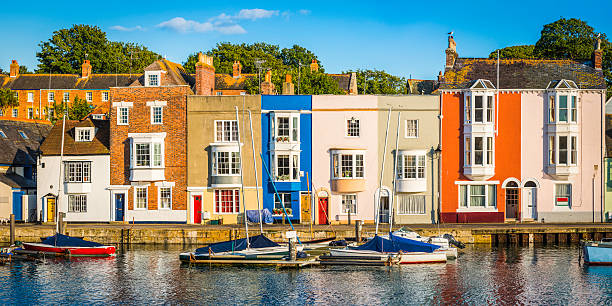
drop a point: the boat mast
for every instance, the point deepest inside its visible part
(246, 222)
(255, 167)
(392, 198)
(382, 171)
(59, 179)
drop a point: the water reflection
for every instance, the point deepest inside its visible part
(153, 275)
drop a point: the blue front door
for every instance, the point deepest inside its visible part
(119, 205)
(17, 205)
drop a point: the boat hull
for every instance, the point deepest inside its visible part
(71, 251)
(598, 254)
(398, 258)
(251, 254)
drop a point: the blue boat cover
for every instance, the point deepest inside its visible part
(259, 241)
(67, 241)
(396, 244)
(253, 216)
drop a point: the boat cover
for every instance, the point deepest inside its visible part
(396, 244)
(253, 216)
(60, 240)
(259, 241)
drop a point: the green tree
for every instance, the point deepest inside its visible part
(77, 110)
(23, 69)
(566, 38)
(295, 55)
(8, 99)
(379, 82)
(309, 83)
(524, 51)
(66, 50)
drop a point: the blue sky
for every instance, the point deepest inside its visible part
(400, 37)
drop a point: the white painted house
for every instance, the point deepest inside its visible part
(81, 177)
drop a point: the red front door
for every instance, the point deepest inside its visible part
(197, 209)
(323, 211)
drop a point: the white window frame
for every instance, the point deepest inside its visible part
(161, 189)
(152, 154)
(488, 108)
(66, 97)
(554, 107)
(77, 172)
(469, 150)
(343, 204)
(294, 170)
(403, 204)
(30, 96)
(487, 196)
(154, 115)
(411, 129)
(149, 74)
(233, 131)
(77, 203)
(337, 172)
(420, 170)
(286, 197)
(293, 128)
(146, 197)
(89, 96)
(84, 134)
(348, 129)
(235, 202)
(51, 96)
(15, 113)
(121, 119)
(30, 113)
(105, 96)
(233, 166)
(571, 150)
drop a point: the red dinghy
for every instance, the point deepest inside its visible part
(71, 246)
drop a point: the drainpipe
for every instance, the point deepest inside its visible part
(440, 117)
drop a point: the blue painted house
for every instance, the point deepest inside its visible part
(286, 133)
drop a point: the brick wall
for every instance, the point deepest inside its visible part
(175, 126)
(40, 101)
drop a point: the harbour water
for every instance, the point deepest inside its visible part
(153, 275)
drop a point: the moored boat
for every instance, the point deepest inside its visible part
(63, 244)
(598, 252)
(259, 247)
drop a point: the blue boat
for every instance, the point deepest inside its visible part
(598, 252)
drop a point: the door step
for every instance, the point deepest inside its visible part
(510, 220)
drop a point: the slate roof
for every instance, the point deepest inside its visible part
(425, 87)
(16, 181)
(14, 150)
(98, 146)
(521, 73)
(65, 81)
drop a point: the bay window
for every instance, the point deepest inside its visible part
(285, 127)
(411, 167)
(286, 166)
(348, 166)
(227, 201)
(562, 150)
(226, 163)
(477, 196)
(148, 154)
(77, 172)
(226, 131)
(562, 108)
(479, 108)
(479, 151)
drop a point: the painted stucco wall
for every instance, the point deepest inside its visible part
(98, 197)
(329, 115)
(425, 109)
(586, 185)
(608, 189)
(301, 104)
(6, 201)
(202, 112)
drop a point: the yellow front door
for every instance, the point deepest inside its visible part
(50, 209)
(305, 216)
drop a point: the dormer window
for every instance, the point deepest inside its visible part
(152, 78)
(84, 134)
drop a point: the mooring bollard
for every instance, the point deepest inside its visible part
(12, 229)
(292, 236)
(61, 223)
(358, 227)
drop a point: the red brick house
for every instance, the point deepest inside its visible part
(148, 137)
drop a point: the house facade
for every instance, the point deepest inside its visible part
(222, 167)
(75, 183)
(345, 157)
(148, 141)
(416, 171)
(286, 146)
(522, 140)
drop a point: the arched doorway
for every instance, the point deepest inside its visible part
(512, 198)
(323, 207)
(530, 199)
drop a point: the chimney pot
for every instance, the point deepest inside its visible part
(267, 87)
(14, 69)
(451, 53)
(205, 75)
(237, 69)
(314, 66)
(597, 55)
(85, 69)
(288, 87)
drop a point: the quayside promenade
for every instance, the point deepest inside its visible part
(493, 234)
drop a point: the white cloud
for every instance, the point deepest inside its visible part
(126, 29)
(231, 29)
(254, 14)
(304, 12)
(182, 25)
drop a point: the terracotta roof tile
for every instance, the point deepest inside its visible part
(98, 146)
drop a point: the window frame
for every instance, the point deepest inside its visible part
(235, 203)
(571, 108)
(286, 197)
(149, 76)
(293, 127)
(404, 168)
(343, 207)
(470, 150)
(121, 116)
(15, 113)
(50, 96)
(486, 109)
(137, 197)
(569, 153)
(556, 195)
(233, 166)
(82, 206)
(414, 126)
(89, 96)
(154, 114)
(151, 156)
(234, 136)
(465, 197)
(160, 191)
(105, 96)
(403, 203)
(30, 96)
(30, 113)
(338, 167)
(352, 131)
(80, 132)
(77, 172)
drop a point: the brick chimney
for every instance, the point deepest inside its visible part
(237, 69)
(353, 84)
(451, 53)
(85, 69)
(597, 55)
(314, 66)
(288, 87)
(14, 69)
(440, 77)
(205, 75)
(267, 87)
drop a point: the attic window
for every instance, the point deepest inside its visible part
(152, 78)
(2, 134)
(23, 135)
(83, 134)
